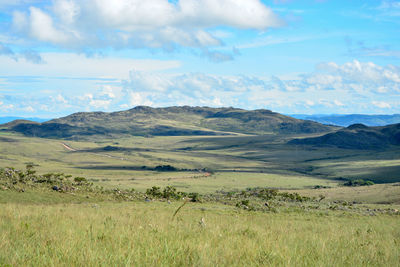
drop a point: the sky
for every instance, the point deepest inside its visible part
(58, 57)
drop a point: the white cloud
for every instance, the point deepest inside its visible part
(29, 109)
(310, 103)
(7, 108)
(381, 104)
(42, 28)
(136, 23)
(357, 76)
(348, 88)
(338, 103)
(138, 99)
(99, 103)
(61, 99)
(74, 65)
(111, 92)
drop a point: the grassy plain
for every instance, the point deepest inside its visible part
(237, 162)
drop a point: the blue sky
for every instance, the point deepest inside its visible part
(311, 57)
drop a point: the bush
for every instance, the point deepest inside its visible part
(358, 182)
(195, 197)
(154, 191)
(80, 180)
(170, 192)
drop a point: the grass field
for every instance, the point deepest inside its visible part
(237, 162)
(143, 234)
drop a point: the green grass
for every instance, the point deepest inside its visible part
(226, 181)
(143, 234)
(379, 193)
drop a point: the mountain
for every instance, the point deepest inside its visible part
(170, 121)
(346, 120)
(8, 119)
(357, 136)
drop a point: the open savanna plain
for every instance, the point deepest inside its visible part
(260, 202)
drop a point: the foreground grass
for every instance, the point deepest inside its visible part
(143, 234)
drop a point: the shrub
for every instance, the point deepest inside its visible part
(80, 180)
(170, 192)
(195, 197)
(358, 182)
(154, 191)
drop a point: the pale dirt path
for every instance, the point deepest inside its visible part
(68, 147)
(103, 155)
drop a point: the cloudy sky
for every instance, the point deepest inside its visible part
(290, 56)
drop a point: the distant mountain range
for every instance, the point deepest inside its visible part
(357, 136)
(347, 120)
(8, 119)
(170, 121)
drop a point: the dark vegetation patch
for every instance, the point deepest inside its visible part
(158, 168)
(387, 174)
(7, 140)
(56, 130)
(358, 182)
(357, 136)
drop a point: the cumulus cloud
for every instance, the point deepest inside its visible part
(332, 88)
(136, 23)
(350, 87)
(359, 76)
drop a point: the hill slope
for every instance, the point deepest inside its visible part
(357, 136)
(171, 121)
(9, 119)
(346, 120)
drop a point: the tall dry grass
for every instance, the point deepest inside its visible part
(143, 234)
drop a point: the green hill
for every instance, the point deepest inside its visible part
(170, 121)
(357, 136)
